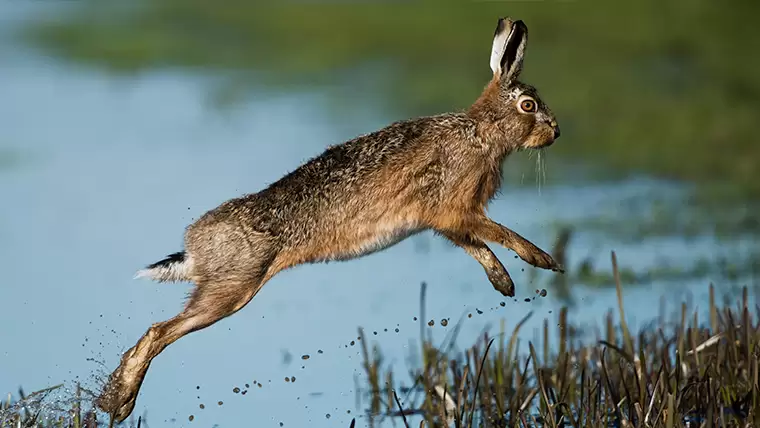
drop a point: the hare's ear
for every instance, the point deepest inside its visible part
(509, 42)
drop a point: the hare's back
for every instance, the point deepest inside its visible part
(347, 180)
(346, 165)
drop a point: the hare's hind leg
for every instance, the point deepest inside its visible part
(209, 303)
(478, 249)
(214, 298)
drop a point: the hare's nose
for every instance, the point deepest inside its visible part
(555, 127)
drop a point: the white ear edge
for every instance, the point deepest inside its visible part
(500, 38)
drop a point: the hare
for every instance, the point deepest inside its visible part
(430, 173)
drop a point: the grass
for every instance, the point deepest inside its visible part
(683, 373)
(37, 410)
(663, 88)
(673, 373)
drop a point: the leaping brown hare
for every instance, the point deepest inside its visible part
(430, 173)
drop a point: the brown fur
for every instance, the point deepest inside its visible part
(431, 173)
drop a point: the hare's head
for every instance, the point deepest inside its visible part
(522, 117)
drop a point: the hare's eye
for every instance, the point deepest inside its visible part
(528, 106)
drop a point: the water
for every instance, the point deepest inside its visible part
(108, 171)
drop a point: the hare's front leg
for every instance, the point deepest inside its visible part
(489, 230)
(478, 249)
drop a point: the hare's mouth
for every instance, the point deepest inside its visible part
(547, 135)
(540, 141)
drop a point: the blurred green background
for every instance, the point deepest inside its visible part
(647, 86)
(658, 160)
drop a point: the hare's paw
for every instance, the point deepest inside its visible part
(502, 282)
(540, 259)
(118, 397)
(120, 393)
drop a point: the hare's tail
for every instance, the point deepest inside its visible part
(175, 267)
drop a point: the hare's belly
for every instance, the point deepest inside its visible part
(372, 238)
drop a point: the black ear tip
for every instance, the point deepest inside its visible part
(507, 24)
(501, 25)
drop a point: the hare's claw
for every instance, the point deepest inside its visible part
(502, 282)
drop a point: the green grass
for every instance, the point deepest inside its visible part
(670, 371)
(47, 408)
(665, 375)
(665, 88)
